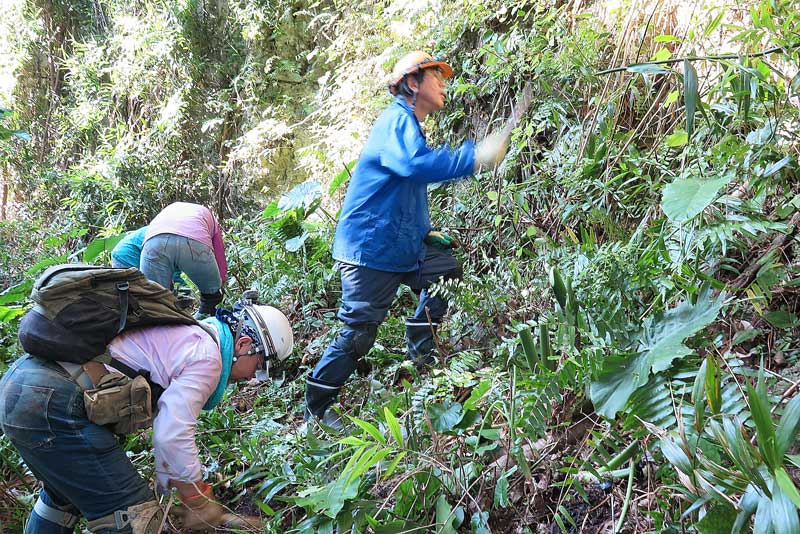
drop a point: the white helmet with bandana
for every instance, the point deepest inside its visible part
(272, 329)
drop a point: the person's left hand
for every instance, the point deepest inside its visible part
(441, 240)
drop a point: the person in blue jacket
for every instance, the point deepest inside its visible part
(128, 251)
(380, 239)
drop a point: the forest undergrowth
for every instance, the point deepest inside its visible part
(621, 355)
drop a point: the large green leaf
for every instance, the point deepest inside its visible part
(679, 138)
(764, 134)
(9, 313)
(683, 199)
(748, 504)
(477, 394)
(100, 245)
(296, 243)
(788, 426)
(271, 210)
(501, 492)
(338, 492)
(787, 486)
(44, 264)
(782, 511)
(618, 379)
(445, 517)
(718, 520)
(444, 416)
(647, 68)
(662, 338)
(342, 177)
(765, 427)
(394, 426)
(480, 523)
(16, 293)
(660, 343)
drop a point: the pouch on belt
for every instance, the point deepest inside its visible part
(121, 402)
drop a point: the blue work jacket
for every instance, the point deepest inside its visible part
(385, 216)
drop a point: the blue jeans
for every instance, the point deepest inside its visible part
(164, 254)
(367, 295)
(177, 281)
(81, 466)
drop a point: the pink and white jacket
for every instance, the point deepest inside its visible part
(186, 362)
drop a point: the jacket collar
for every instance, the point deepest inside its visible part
(400, 100)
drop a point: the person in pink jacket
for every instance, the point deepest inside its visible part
(82, 467)
(186, 237)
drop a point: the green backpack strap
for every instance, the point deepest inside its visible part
(122, 293)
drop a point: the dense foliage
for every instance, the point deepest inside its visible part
(621, 354)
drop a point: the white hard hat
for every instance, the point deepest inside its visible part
(273, 329)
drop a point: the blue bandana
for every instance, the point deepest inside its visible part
(240, 322)
(226, 351)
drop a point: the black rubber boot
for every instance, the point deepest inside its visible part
(421, 346)
(208, 303)
(320, 395)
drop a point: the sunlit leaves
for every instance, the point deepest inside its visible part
(342, 177)
(764, 134)
(394, 426)
(773, 168)
(303, 196)
(662, 55)
(672, 97)
(9, 313)
(677, 139)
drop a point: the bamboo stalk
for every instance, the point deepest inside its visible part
(699, 58)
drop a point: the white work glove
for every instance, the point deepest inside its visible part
(491, 151)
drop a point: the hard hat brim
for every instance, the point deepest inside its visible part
(444, 68)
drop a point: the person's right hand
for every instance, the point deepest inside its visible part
(211, 514)
(202, 512)
(491, 151)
